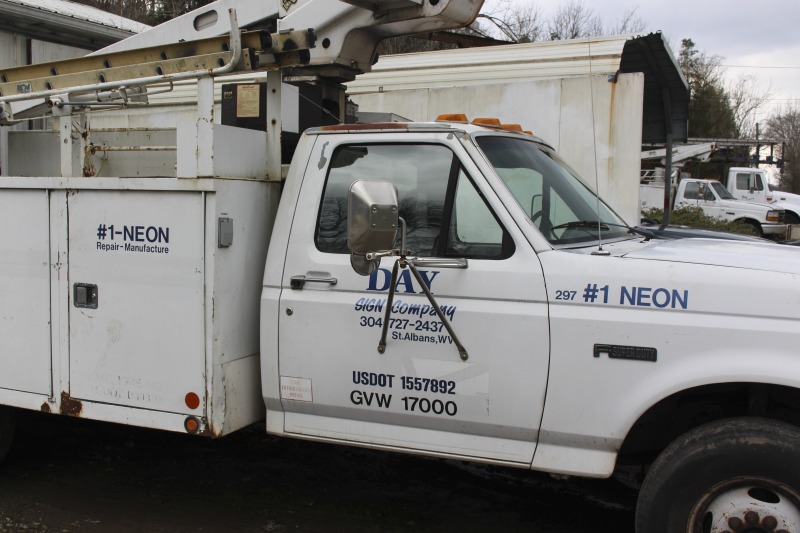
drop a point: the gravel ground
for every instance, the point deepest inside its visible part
(67, 475)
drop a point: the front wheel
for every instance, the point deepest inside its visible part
(735, 475)
(755, 226)
(6, 430)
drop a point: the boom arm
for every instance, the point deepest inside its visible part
(682, 154)
(347, 31)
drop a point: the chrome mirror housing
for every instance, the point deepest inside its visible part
(372, 219)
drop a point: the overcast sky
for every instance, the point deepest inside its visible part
(759, 38)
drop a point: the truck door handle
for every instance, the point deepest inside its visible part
(297, 282)
(84, 295)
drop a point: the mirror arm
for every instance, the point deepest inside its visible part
(461, 350)
(405, 262)
(377, 255)
(388, 313)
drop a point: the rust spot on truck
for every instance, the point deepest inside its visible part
(69, 406)
(207, 431)
(45, 408)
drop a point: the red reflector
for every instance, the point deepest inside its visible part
(192, 400)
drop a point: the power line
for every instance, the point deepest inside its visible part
(758, 66)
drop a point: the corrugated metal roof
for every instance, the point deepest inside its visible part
(648, 54)
(65, 22)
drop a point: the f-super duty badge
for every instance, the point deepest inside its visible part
(632, 353)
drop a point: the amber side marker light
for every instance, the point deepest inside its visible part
(191, 425)
(453, 117)
(512, 127)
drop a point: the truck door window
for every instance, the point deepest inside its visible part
(721, 191)
(474, 231)
(692, 191)
(444, 214)
(745, 181)
(742, 181)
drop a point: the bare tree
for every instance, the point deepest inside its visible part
(629, 23)
(785, 126)
(746, 101)
(146, 11)
(519, 24)
(574, 20)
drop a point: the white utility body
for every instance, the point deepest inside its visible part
(444, 288)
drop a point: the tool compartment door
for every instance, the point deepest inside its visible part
(136, 274)
(25, 291)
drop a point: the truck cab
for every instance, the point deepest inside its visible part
(715, 201)
(751, 184)
(583, 340)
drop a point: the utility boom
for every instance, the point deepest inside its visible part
(331, 39)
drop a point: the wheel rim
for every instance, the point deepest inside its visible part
(747, 505)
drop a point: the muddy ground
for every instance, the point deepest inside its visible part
(67, 475)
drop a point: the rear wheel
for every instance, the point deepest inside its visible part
(6, 430)
(737, 475)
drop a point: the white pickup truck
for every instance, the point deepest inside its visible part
(751, 184)
(717, 202)
(515, 319)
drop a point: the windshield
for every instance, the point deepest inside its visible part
(553, 196)
(722, 192)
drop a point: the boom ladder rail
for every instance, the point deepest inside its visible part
(119, 74)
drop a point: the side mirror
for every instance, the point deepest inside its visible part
(372, 218)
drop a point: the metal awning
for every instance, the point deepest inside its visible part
(666, 91)
(64, 22)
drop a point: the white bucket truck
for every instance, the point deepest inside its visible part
(515, 318)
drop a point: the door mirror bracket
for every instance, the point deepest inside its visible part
(372, 222)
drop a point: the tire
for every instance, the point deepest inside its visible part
(7, 422)
(756, 227)
(740, 474)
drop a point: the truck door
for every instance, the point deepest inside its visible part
(749, 186)
(25, 278)
(699, 194)
(419, 394)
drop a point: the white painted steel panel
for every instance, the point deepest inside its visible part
(144, 345)
(677, 298)
(25, 291)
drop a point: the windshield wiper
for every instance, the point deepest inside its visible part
(588, 224)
